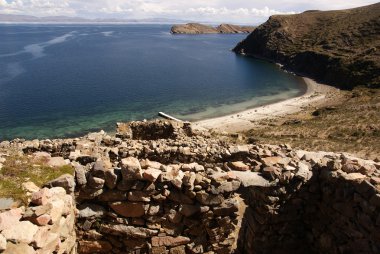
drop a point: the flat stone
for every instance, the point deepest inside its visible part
(128, 209)
(91, 211)
(22, 231)
(169, 241)
(41, 220)
(356, 177)
(238, 165)
(56, 162)
(20, 248)
(251, 179)
(65, 181)
(112, 196)
(243, 149)
(130, 231)
(90, 247)
(10, 218)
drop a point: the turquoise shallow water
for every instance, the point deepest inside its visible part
(67, 80)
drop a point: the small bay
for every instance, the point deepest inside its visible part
(67, 80)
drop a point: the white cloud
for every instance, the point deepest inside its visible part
(251, 11)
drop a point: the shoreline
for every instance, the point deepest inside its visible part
(314, 94)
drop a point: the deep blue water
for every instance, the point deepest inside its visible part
(66, 80)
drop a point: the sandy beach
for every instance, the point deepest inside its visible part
(315, 94)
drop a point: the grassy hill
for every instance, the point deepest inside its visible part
(340, 48)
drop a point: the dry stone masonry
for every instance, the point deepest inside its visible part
(163, 187)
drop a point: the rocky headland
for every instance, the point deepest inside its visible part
(196, 28)
(339, 48)
(165, 187)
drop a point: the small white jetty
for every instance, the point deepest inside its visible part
(162, 114)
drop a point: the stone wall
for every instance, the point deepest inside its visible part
(330, 205)
(177, 190)
(47, 225)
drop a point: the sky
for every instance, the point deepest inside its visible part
(238, 11)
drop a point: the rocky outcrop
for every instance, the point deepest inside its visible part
(179, 191)
(339, 48)
(195, 28)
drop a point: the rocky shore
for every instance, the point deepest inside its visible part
(195, 28)
(165, 187)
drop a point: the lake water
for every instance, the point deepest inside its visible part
(67, 80)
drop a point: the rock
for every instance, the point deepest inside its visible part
(209, 199)
(80, 175)
(3, 243)
(57, 162)
(45, 237)
(356, 177)
(90, 247)
(128, 209)
(180, 198)
(65, 181)
(41, 220)
(271, 172)
(113, 195)
(227, 208)
(238, 165)
(57, 208)
(110, 178)
(22, 231)
(169, 241)
(21, 248)
(251, 179)
(10, 218)
(41, 197)
(189, 210)
(138, 196)
(226, 187)
(95, 183)
(243, 149)
(129, 231)
(86, 159)
(151, 174)
(304, 172)
(131, 169)
(91, 211)
(44, 156)
(74, 155)
(30, 187)
(178, 250)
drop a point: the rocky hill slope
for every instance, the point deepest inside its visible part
(195, 28)
(340, 48)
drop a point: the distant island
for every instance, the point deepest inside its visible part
(196, 28)
(339, 48)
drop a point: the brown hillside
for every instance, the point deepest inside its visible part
(340, 48)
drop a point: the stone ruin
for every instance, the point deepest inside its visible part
(161, 187)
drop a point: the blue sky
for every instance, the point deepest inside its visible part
(241, 11)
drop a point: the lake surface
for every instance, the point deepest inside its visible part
(67, 80)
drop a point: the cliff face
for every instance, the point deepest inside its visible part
(195, 28)
(340, 48)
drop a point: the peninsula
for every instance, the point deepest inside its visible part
(196, 28)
